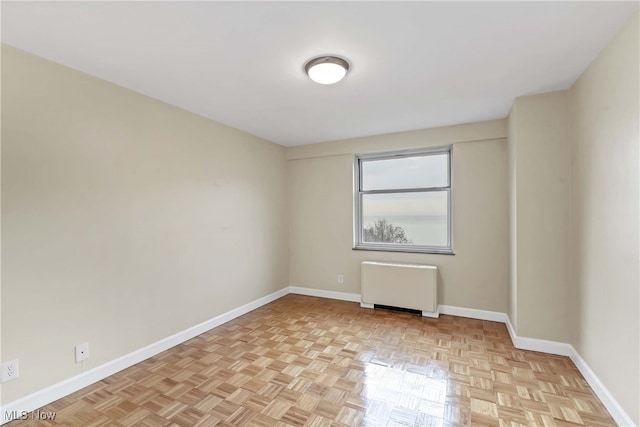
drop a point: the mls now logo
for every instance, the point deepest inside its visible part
(16, 415)
(26, 415)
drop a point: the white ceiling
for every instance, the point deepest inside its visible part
(414, 64)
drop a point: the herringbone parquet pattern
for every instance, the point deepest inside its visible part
(304, 361)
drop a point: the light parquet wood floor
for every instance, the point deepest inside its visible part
(304, 361)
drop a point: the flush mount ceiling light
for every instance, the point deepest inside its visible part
(327, 70)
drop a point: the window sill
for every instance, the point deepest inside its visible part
(405, 249)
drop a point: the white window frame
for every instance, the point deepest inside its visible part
(359, 193)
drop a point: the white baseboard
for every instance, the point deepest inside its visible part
(535, 344)
(564, 349)
(322, 293)
(473, 313)
(607, 399)
(52, 393)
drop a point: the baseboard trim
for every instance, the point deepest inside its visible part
(607, 399)
(57, 391)
(52, 393)
(322, 293)
(564, 349)
(473, 313)
(535, 344)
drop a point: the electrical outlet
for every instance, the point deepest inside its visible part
(10, 371)
(340, 278)
(82, 352)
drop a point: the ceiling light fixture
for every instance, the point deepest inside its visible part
(326, 70)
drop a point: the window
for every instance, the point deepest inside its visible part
(403, 201)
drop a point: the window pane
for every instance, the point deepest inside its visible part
(406, 218)
(406, 172)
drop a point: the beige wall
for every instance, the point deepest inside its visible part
(606, 262)
(124, 220)
(321, 211)
(540, 167)
(575, 214)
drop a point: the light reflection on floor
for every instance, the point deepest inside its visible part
(404, 394)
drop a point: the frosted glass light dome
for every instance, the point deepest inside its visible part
(327, 70)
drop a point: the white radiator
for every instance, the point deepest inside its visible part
(412, 286)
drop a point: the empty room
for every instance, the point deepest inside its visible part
(320, 213)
